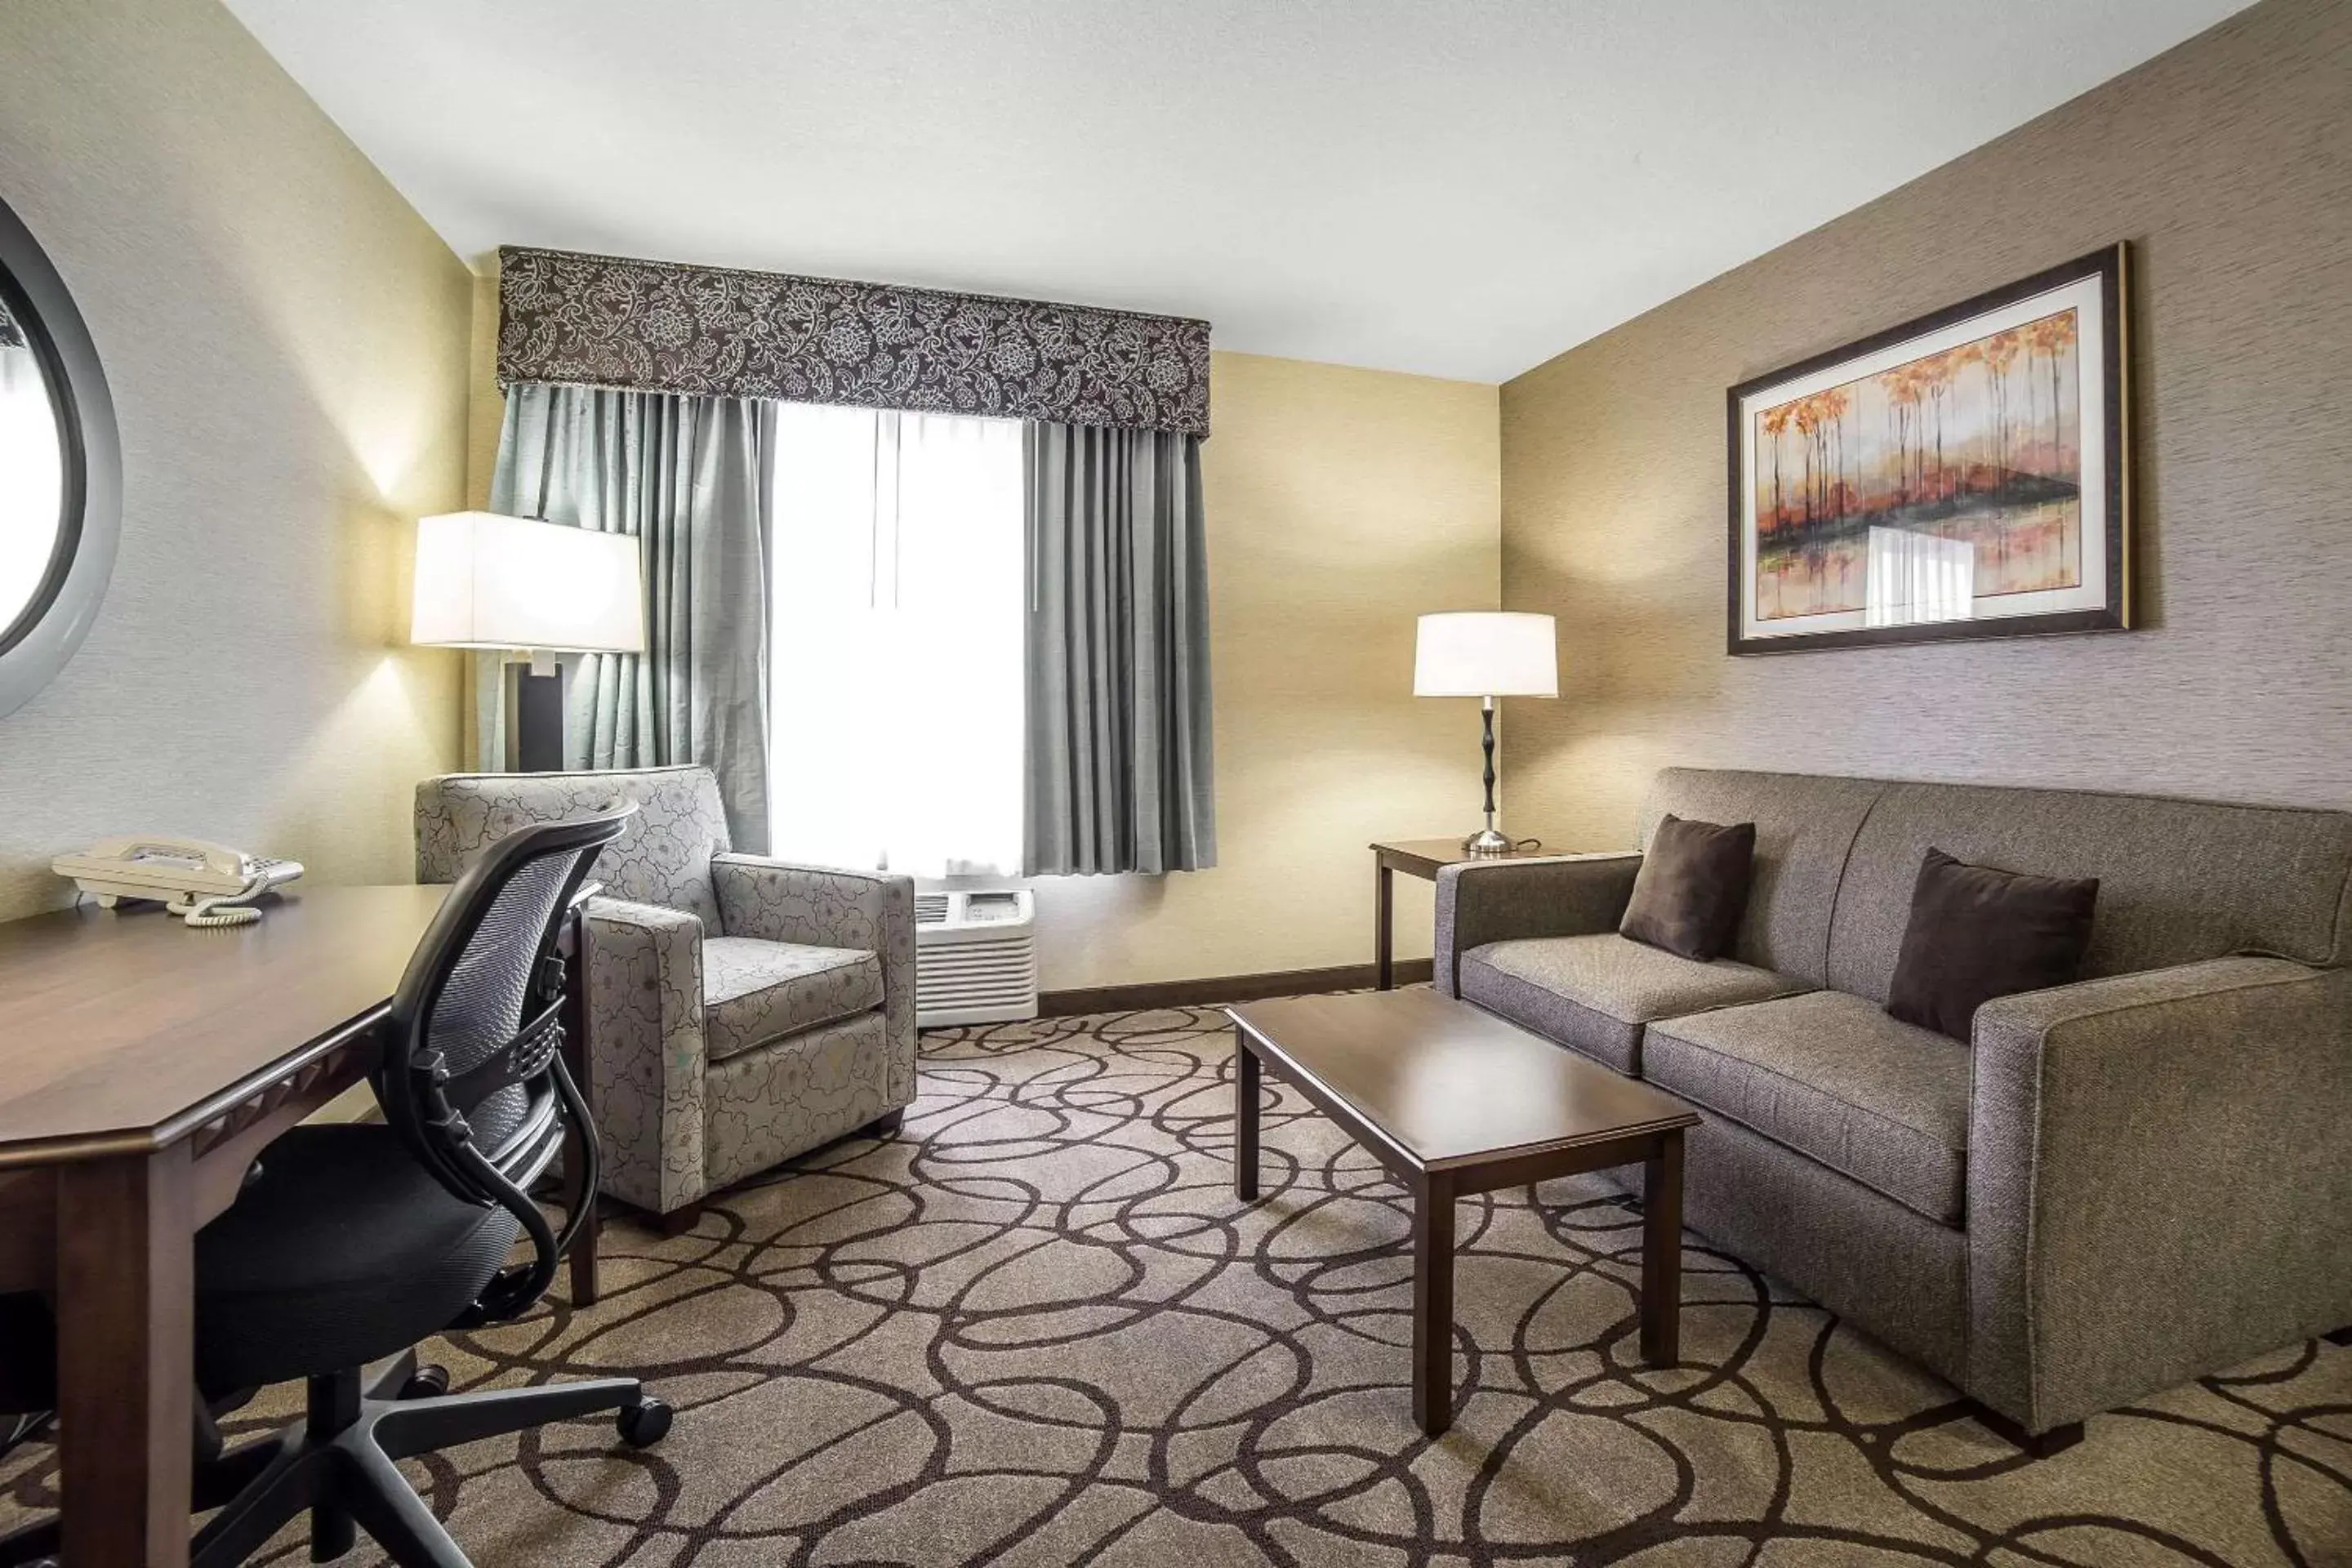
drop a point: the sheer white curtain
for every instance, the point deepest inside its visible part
(897, 685)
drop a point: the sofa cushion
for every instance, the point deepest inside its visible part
(1595, 993)
(1978, 933)
(754, 991)
(1692, 887)
(1831, 1076)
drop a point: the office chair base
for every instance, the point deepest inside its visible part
(342, 1465)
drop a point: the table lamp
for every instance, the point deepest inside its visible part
(483, 581)
(1486, 654)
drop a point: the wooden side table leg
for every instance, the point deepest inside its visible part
(1245, 1114)
(1385, 925)
(1662, 1251)
(1432, 1303)
(126, 1358)
(577, 1196)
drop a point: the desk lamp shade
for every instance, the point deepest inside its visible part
(1486, 654)
(483, 581)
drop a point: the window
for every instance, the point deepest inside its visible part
(897, 685)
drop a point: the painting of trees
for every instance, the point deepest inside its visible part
(1979, 442)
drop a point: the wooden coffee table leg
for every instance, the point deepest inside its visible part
(1246, 1078)
(1433, 1302)
(1662, 1250)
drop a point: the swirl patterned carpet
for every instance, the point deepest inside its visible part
(1038, 1328)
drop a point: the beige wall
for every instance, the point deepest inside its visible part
(1341, 503)
(287, 345)
(2228, 164)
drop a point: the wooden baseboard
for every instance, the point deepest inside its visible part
(1221, 988)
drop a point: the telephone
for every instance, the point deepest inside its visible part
(204, 884)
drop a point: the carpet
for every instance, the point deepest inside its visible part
(1037, 1327)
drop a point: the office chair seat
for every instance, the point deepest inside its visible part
(287, 1284)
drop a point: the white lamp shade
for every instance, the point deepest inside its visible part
(1485, 653)
(487, 581)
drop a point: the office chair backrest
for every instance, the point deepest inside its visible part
(473, 1079)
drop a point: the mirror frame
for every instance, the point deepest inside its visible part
(41, 640)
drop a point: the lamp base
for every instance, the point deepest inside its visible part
(1486, 843)
(534, 716)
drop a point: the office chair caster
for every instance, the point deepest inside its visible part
(644, 1424)
(427, 1382)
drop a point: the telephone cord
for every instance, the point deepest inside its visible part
(218, 909)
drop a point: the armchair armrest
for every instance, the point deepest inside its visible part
(2160, 1184)
(827, 906)
(646, 1050)
(1481, 901)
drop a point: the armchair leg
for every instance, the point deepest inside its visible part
(2036, 1445)
(678, 1221)
(884, 1126)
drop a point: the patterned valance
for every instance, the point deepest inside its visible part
(657, 326)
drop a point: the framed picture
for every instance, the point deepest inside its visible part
(1964, 475)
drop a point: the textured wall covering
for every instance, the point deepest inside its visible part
(2228, 164)
(659, 326)
(286, 343)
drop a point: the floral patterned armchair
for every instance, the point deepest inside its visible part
(741, 1010)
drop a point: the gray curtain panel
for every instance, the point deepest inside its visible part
(1119, 768)
(688, 477)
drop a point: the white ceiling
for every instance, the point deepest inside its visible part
(1460, 189)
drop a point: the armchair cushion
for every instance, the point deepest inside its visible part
(1833, 1077)
(663, 858)
(1595, 993)
(755, 991)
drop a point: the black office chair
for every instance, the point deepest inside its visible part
(353, 1243)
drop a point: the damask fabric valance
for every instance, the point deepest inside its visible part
(659, 326)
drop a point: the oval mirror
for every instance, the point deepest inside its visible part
(61, 475)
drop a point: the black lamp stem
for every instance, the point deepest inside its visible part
(1486, 743)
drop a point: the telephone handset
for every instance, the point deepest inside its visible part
(205, 884)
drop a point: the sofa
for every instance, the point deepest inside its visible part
(741, 1010)
(2114, 1185)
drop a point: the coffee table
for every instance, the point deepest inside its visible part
(1455, 1101)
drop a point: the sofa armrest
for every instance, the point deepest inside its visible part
(645, 1053)
(826, 906)
(1479, 901)
(2160, 1184)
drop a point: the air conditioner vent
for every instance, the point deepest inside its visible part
(975, 958)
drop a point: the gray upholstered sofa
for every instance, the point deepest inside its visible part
(741, 1010)
(2117, 1185)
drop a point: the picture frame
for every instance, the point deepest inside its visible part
(1965, 474)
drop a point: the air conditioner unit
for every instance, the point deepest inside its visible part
(975, 958)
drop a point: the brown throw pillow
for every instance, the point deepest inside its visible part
(1977, 934)
(1692, 887)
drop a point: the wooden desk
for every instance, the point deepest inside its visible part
(1423, 858)
(143, 1067)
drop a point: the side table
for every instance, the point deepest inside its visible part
(1422, 858)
